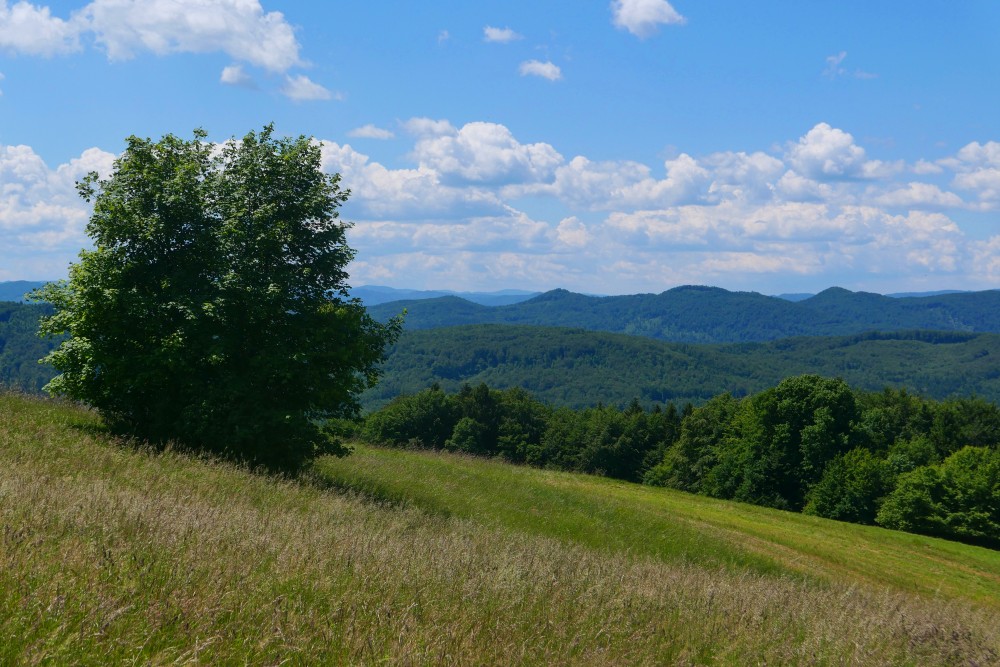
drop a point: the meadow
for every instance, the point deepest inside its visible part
(116, 553)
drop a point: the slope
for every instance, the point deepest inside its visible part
(578, 368)
(113, 554)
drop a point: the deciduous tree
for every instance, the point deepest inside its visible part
(213, 309)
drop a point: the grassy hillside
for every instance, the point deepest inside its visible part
(695, 314)
(112, 554)
(579, 368)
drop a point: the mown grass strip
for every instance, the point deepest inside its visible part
(672, 526)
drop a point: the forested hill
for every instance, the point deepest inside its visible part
(695, 314)
(14, 290)
(21, 348)
(579, 368)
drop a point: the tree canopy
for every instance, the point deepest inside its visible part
(213, 309)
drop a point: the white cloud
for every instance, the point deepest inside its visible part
(42, 218)
(32, 30)
(833, 68)
(422, 127)
(733, 218)
(370, 132)
(235, 75)
(981, 155)
(925, 168)
(379, 192)
(586, 184)
(572, 234)
(486, 153)
(977, 168)
(984, 182)
(301, 89)
(240, 29)
(500, 35)
(474, 205)
(828, 153)
(919, 195)
(443, 36)
(986, 261)
(642, 17)
(546, 70)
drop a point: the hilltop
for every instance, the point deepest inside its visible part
(697, 314)
(113, 553)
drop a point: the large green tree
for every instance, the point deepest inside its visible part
(213, 309)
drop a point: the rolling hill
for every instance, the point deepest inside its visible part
(694, 314)
(577, 368)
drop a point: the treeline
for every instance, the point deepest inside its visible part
(809, 444)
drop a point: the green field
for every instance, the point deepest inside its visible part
(112, 553)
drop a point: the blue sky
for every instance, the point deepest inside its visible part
(604, 147)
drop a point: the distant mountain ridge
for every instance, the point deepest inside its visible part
(698, 314)
(14, 290)
(373, 295)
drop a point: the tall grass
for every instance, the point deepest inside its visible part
(115, 555)
(668, 525)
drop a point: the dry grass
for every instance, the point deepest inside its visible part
(115, 556)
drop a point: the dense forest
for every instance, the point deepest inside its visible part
(808, 444)
(21, 348)
(579, 368)
(694, 314)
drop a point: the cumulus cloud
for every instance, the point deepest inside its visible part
(235, 75)
(423, 127)
(977, 169)
(32, 30)
(741, 219)
(475, 205)
(924, 168)
(500, 35)
(572, 234)
(380, 192)
(546, 70)
(302, 89)
(986, 260)
(643, 17)
(919, 195)
(370, 132)
(829, 153)
(241, 29)
(42, 218)
(980, 155)
(486, 153)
